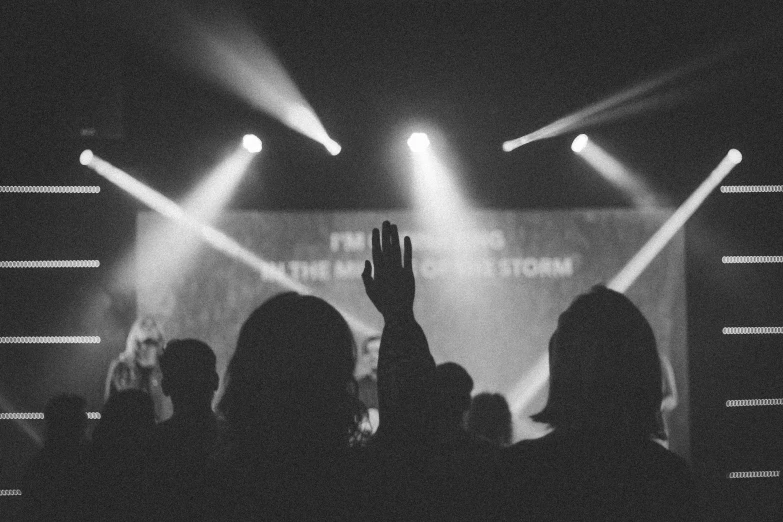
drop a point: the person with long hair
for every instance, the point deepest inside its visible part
(292, 415)
(295, 448)
(137, 367)
(601, 461)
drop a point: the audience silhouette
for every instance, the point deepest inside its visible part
(118, 483)
(600, 462)
(460, 463)
(489, 417)
(292, 416)
(183, 444)
(53, 483)
(451, 398)
(290, 438)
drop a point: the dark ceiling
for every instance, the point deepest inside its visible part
(479, 72)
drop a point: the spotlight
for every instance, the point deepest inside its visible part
(579, 143)
(85, 157)
(510, 145)
(418, 142)
(333, 147)
(251, 143)
(734, 156)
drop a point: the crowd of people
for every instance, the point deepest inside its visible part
(291, 438)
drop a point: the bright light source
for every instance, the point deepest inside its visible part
(333, 147)
(418, 142)
(251, 143)
(735, 156)
(579, 143)
(86, 157)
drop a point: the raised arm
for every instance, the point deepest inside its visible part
(405, 365)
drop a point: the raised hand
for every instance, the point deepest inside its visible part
(391, 287)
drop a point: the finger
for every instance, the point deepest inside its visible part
(407, 262)
(395, 245)
(377, 259)
(386, 239)
(367, 274)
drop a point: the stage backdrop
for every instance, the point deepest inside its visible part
(488, 296)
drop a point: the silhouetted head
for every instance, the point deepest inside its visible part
(291, 376)
(189, 375)
(127, 414)
(66, 420)
(451, 395)
(489, 417)
(145, 342)
(605, 374)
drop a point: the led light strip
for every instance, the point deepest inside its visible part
(745, 189)
(35, 415)
(753, 474)
(74, 263)
(754, 402)
(51, 340)
(26, 189)
(22, 416)
(10, 492)
(752, 259)
(752, 330)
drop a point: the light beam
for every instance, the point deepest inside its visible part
(644, 96)
(535, 379)
(226, 50)
(626, 277)
(212, 236)
(633, 186)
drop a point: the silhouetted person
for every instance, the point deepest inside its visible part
(489, 417)
(460, 462)
(118, 483)
(53, 483)
(451, 398)
(600, 461)
(418, 465)
(137, 367)
(293, 416)
(183, 444)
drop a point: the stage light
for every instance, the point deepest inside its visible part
(510, 145)
(734, 156)
(227, 50)
(579, 143)
(251, 143)
(632, 185)
(86, 157)
(418, 142)
(333, 147)
(655, 93)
